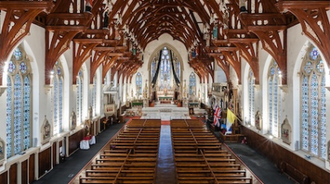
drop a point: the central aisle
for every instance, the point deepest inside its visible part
(165, 173)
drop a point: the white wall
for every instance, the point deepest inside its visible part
(290, 94)
(219, 75)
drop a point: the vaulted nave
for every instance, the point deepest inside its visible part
(256, 72)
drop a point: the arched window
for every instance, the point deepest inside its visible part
(177, 68)
(80, 94)
(57, 98)
(94, 95)
(313, 108)
(18, 108)
(251, 83)
(139, 83)
(153, 68)
(192, 84)
(274, 98)
(165, 69)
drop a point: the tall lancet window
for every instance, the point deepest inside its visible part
(153, 68)
(18, 108)
(251, 83)
(57, 98)
(139, 84)
(177, 68)
(313, 108)
(192, 84)
(165, 69)
(94, 95)
(80, 95)
(274, 98)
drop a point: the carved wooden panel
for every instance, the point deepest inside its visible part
(31, 168)
(4, 177)
(328, 150)
(54, 156)
(44, 161)
(278, 154)
(13, 174)
(24, 172)
(74, 140)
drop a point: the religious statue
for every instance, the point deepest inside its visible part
(87, 126)
(73, 121)
(145, 91)
(258, 121)
(45, 131)
(88, 5)
(165, 90)
(242, 6)
(90, 112)
(286, 132)
(184, 94)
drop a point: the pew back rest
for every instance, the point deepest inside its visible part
(293, 173)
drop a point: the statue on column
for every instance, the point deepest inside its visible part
(145, 91)
(184, 93)
(88, 6)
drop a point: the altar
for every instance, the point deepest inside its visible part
(165, 112)
(165, 96)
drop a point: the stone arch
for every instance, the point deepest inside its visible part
(169, 47)
(155, 55)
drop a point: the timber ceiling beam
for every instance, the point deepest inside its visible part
(107, 65)
(81, 52)
(313, 20)
(62, 25)
(270, 27)
(223, 64)
(98, 58)
(17, 23)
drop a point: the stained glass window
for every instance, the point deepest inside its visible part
(251, 96)
(313, 108)
(57, 98)
(192, 84)
(153, 68)
(94, 96)
(17, 54)
(274, 102)
(79, 96)
(9, 117)
(60, 103)
(138, 83)
(177, 68)
(26, 113)
(78, 101)
(11, 67)
(165, 69)
(18, 104)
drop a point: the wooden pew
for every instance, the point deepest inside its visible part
(199, 158)
(129, 158)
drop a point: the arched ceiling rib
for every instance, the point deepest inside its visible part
(210, 30)
(147, 20)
